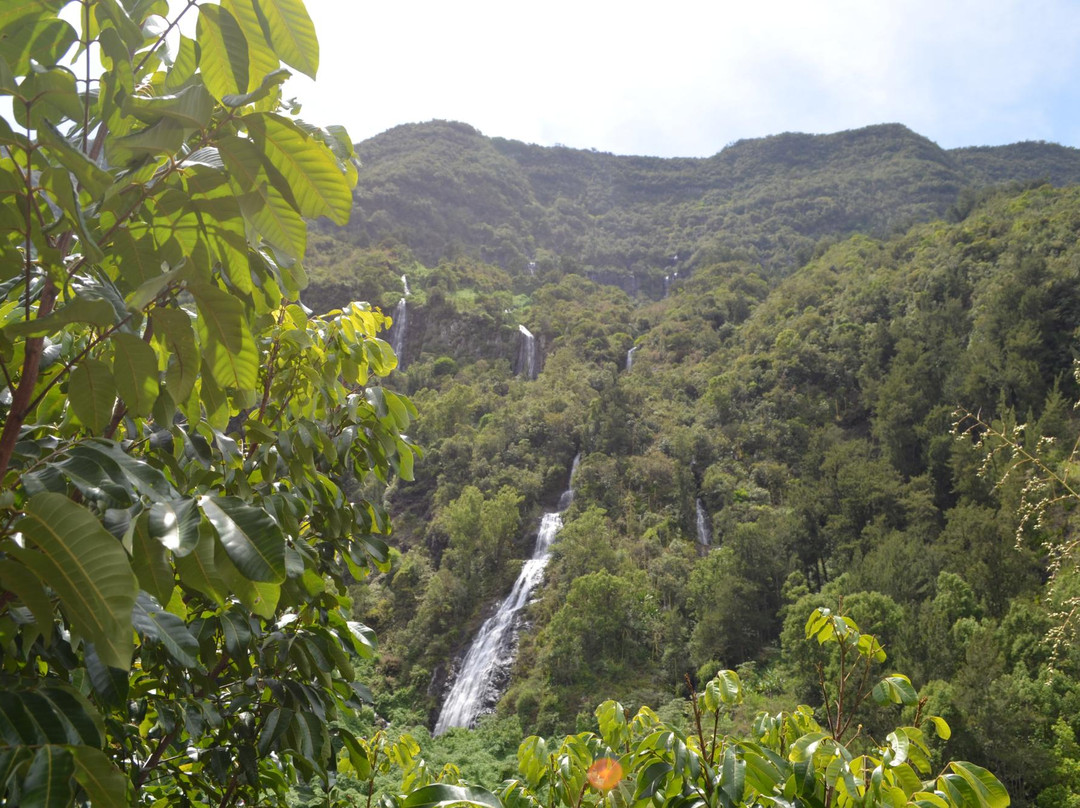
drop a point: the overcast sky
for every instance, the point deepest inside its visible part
(686, 77)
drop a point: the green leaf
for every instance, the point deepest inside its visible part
(229, 346)
(87, 568)
(175, 524)
(172, 331)
(733, 777)
(105, 785)
(314, 179)
(730, 687)
(272, 79)
(276, 724)
(611, 718)
(941, 725)
(292, 34)
(262, 61)
(895, 689)
(199, 571)
(90, 176)
(48, 780)
(149, 560)
(252, 539)
(136, 372)
(439, 794)
(191, 107)
(29, 590)
(80, 310)
(184, 64)
(92, 393)
(272, 215)
(50, 95)
(224, 52)
(989, 789)
(153, 622)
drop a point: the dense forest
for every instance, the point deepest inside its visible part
(444, 471)
(815, 323)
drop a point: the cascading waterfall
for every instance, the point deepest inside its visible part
(667, 285)
(401, 323)
(704, 531)
(630, 358)
(476, 690)
(526, 365)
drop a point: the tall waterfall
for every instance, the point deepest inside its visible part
(526, 364)
(704, 530)
(477, 688)
(667, 285)
(397, 340)
(401, 323)
(630, 358)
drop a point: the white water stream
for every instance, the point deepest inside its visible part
(474, 688)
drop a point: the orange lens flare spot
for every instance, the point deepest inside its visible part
(605, 774)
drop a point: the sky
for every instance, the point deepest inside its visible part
(687, 77)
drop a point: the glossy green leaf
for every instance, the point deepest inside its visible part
(895, 689)
(87, 568)
(154, 623)
(135, 370)
(252, 539)
(198, 569)
(292, 34)
(150, 561)
(439, 794)
(991, 792)
(92, 392)
(175, 524)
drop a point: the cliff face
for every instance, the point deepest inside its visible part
(445, 189)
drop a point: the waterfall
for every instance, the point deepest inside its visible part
(477, 685)
(667, 285)
(526, 365)
(630, 358)
(401, 323)
(704, 531)
(397, 340)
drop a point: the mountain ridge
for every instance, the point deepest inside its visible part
(444, 188)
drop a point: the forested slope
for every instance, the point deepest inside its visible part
(797, 382)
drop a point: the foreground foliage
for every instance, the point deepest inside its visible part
(787, 758)
(186, 451)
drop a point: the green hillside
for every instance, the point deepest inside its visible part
(807, 405)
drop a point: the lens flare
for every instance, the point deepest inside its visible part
(605, 774)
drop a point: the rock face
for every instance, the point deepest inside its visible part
(485, 671)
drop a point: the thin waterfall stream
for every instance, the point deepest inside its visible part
(475, 689)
